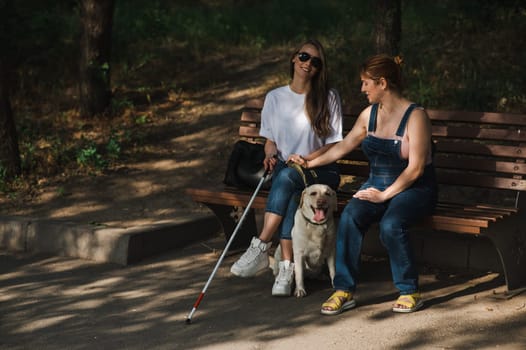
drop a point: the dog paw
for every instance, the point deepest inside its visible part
(300, 293)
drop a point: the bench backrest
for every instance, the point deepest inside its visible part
(485, 151)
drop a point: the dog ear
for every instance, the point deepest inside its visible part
(303, 193)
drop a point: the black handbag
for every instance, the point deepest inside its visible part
(245, 166)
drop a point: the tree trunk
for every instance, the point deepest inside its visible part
(95, 89)
(388, 26)
(9, 152)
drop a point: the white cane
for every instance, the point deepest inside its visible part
(198, 301)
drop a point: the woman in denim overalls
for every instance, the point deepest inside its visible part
(395, 135)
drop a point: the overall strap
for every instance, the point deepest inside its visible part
(403, 122)
(372, 118)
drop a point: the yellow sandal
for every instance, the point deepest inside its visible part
(410, 302)
(338, 302)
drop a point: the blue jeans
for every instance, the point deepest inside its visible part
(285, 192)
(394, 217)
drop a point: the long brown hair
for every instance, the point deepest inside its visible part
(316, 101)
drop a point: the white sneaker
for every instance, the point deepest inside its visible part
(253, 260)
(283, 284)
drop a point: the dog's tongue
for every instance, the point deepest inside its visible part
(319, 215)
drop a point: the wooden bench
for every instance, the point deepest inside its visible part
(480, 163)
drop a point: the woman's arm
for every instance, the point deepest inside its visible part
(271, 150)
(332, 152)
(320, 151)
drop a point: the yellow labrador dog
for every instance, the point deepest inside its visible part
(313, 235)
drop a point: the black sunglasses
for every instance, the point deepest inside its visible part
(315, 61)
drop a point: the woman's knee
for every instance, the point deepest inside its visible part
(391, 228)
(287, 177)
(357, 212)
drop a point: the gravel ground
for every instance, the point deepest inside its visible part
(63, 303)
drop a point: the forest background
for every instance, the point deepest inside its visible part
(180, 71)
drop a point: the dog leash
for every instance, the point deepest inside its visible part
(310, 174)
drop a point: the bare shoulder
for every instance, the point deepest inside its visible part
(363, 118)
(419, 115)
(419, 121)
(365, 113)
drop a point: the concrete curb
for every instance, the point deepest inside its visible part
(118, 245)
(129, 245)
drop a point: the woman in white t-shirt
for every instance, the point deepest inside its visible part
(304, 118)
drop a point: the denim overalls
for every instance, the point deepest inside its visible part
(394, 216)
(285, 192)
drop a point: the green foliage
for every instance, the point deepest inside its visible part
(3, 179)
(48, 149)
(463, 55)
(457, 55)
(42, 44)
(142, 119)
(61, 191)
(95, 158)
(211, 23)
(8, 185)
(118, 105)
(90, 158)
(28, 158)
(113, 148)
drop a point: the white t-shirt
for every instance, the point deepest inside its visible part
(285, 122)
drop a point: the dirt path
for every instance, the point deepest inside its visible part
(77, 304)
(187, 142)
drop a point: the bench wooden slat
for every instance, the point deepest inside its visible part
(478, 133)
(477, 117)
(250, 132)
(480, 164)
(473, 214)
(497, 213)
(486, 208)
(251, 116)
(225, 197)
(438, 218)
(489, 207)
(498, 209)
(475, 180)
(478, 218)
(255, 103)
(481, 149)
(445, 226)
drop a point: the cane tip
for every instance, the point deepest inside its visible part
(188, 321)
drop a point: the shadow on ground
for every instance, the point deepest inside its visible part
(59, 303)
